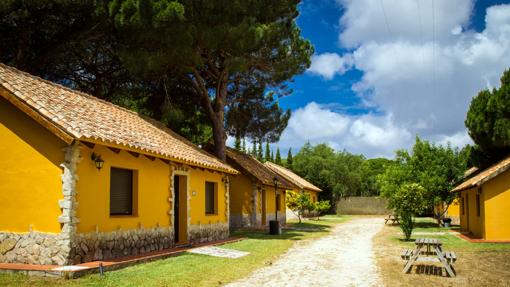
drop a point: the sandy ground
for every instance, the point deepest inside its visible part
(343, 258)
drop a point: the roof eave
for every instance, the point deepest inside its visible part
(144, 152)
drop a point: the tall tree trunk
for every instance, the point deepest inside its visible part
(215, 110)
(219, 136)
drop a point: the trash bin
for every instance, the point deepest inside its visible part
(274, 227)
(447, 222)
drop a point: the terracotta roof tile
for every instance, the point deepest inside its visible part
(291, 176)
(86, 118)
(255, 168)
(485, 175)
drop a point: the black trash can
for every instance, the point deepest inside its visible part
(274, 227)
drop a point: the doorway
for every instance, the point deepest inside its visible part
(180, 209)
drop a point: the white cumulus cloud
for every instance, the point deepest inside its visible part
(327, 65)
(421, 65)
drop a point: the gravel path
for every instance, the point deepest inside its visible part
(343, 258)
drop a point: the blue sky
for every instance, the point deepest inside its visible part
(387, 70)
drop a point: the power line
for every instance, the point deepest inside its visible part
(385, 17)
(433, 47)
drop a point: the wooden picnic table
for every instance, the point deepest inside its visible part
(429, 250)
(393, 218)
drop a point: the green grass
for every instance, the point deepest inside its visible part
(193, 269)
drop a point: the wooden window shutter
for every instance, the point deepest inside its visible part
(121, 191)
(210, 197)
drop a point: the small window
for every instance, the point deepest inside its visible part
(210, 197)
(478, 205)
(121, 191)
(278, 202)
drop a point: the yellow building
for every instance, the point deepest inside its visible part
(82, 179)
(485, 203)
(302, 184)
(252, 192)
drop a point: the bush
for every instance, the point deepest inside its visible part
(299, 203)
(407, 201)
(321, 207)
(407, 224)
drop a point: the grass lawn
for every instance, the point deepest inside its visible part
(478, 264)
(193, 269)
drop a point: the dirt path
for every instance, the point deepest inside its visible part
(343, 258)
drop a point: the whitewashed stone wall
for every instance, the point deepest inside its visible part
(207, 232)
(106, 245)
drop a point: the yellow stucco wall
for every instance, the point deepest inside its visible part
(30, 173)
(93, 187)
(470, 221)
(240, 194)
(198, 178)
(271, 200)
(152, 189)
(454, 208)
(314, 195)
(496, 193)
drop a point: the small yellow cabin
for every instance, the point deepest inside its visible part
(252, 192)
(302, 184)
(485, 203)
(82, 179)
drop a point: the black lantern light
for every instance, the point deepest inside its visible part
(98, 161)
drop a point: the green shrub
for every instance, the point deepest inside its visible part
(407, 201)
(321, 207)
(407, 224)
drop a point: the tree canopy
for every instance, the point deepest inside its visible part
(437, 169)
(207, 69)
(229, 52)
(337, 173)
(488, 123)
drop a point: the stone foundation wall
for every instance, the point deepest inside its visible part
(34, 248)
(207, 232)
(281, 217)
(106, 245)
(240, 220)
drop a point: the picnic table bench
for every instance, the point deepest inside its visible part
(429, 250)
(393, 218)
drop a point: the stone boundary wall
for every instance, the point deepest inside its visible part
(107, 245)
(362, 205)
(207, 232)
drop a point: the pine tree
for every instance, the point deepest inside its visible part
(243, 148)
(237, 144)
(289, 159)
(272, 156)
(278, 159)
(267, 156)
(254, 149)
(260, 151)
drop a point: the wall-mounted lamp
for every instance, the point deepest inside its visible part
(98, 161)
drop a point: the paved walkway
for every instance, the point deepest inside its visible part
(344, 258)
